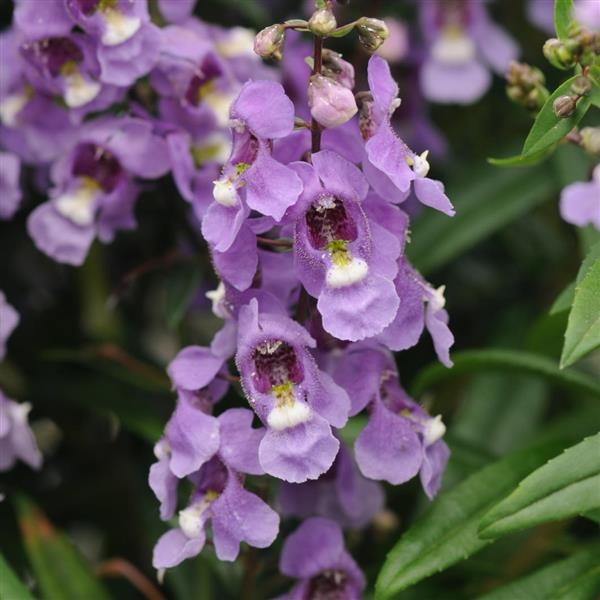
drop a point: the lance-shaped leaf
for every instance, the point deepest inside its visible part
(552, 581)
(562, 17)
(548, 128)
(11, 587)
(492, 360)
(447, 532)
(583, 328)
(567, 486)
(61, 572)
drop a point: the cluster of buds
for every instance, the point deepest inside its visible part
(581, 47)
(371, 32)
(525, 86)
(564, 106)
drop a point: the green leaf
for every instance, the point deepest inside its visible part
(562, 17)
(564, 300)
(447, 531)
(181, 285)
(583, 328)
(506, 360)
(551, 581)
(566, 297)
(522, 160)
(61, 572)
(491, 199)
(11, 587)
(567, 486)
(548, 128)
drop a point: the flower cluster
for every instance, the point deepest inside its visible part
(298, 185)
(307, 235)
(16, 439)
(97, 98)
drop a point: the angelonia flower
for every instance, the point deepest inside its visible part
(462, 44)
(315, 292)
(16, 438)
(294, 181)
(580, 202)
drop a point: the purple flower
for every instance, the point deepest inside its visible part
(252, 180)
(400, 439)
(296, 401)
(113, 22)
(391, 165)
(192, 432)
(9, 319)
(10, 190)
(580, 202)
(94, 192)
(462, 44)
(342, 494)
(67, 66)
(16, 439)
(338, 259)
(315, 555)
(236, 515)
(192, 77)
(421, 306)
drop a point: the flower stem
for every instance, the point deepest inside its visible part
(317, 65)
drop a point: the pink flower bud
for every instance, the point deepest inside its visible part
(338, 69)
(268, 43)
(331, 104)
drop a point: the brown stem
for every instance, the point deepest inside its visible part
(228, 377)
(275, 243)
(118, 567)
(315, 128)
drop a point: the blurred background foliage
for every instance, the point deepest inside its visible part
(91, 348)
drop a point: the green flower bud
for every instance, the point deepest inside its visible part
(322, 22)
(581, 86)
(371, 33)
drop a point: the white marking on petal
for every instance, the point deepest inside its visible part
(19, 412)
(11, 106)
(339, 276)
(78, 205)
(433, 430)
(190, 518)
(220, 104)
(239, 42)
(288, 415)
(453, 47)
(437, 299)
(79, 91)
(420, 164)
(596, 175)
(119, 27)
(217, 297)
(162, 449)
(224, 192)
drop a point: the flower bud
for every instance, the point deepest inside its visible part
(581, 86)
(557, 54)
(371, 33)
(268, 43)
(338, 69)
(564, 106)
(331, 104)
(322, 22)
(590, 140)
